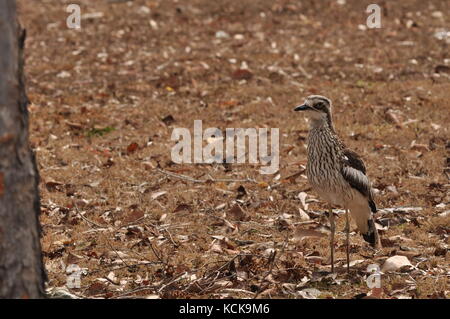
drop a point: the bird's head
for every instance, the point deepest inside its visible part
(317, 108)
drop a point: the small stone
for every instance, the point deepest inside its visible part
(144, 10)
(392, 189)
(437, 14)
(222, 35)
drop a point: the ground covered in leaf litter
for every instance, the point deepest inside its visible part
(104, 102)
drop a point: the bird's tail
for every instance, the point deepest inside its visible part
(371, 236)
(361, 212)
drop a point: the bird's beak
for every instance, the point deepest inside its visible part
(302, 107)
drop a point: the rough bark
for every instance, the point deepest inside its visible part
(21, 269)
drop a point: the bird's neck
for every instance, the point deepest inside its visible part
(322, 123)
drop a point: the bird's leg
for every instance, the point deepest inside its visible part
(347, 229)
(333, 228)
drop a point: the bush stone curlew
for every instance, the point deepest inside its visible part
(338, 174)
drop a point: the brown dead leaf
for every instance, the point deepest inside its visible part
(216, 248)
(419, 147)
(399, 238)
(182, 208)
(229, 103)
(168, 120)
(148, 166)
(242, 74)
(441, 251)
(231, 251)
(220, 284)
(158, 194)
(291, 178)
(133, 216)
(225, 242)
(376, 293)
(52, 185)
(237, 213)
(315, 259)
(109, 162)
(263, 184)
(74, 125)
(408, 254)
(268, 293)
(442, 69)
(241, 192)
(132, 148)
(72, 258)
(96, 288)
(301, 233)
(394, 117)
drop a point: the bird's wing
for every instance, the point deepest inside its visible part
(353, 160)
(354, 172)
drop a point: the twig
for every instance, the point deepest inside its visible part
(303, 71)
(134, 291)
(114, 267)
(210, 284)
(271, 263)
(170, 237)
(156, 254)
(87, 220)
(211, 179)
(234, 290)
(118, 255)
(223, 266)
(178, 278)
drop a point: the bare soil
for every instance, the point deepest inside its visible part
(106, 98)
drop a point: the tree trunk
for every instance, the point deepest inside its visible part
(21, 269)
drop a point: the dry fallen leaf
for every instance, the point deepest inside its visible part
(96, 288)
(182, 208)
(216, 248)
(237, 213)
(51, 185)
(309, 293)
(419, 147)
(157, 194)
(133, 216)
(113, 278)
(242, 74)
(394, 263)
(168, 120)
(356, 262)
(301, 233)
(73, 125)
(302, 196)
(400, 238)
(394, 117)
(303, 215)
(132, 148)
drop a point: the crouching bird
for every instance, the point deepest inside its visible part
(338, 174)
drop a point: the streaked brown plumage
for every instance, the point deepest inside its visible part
(336, 173)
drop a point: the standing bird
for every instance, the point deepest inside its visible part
(338, 174)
